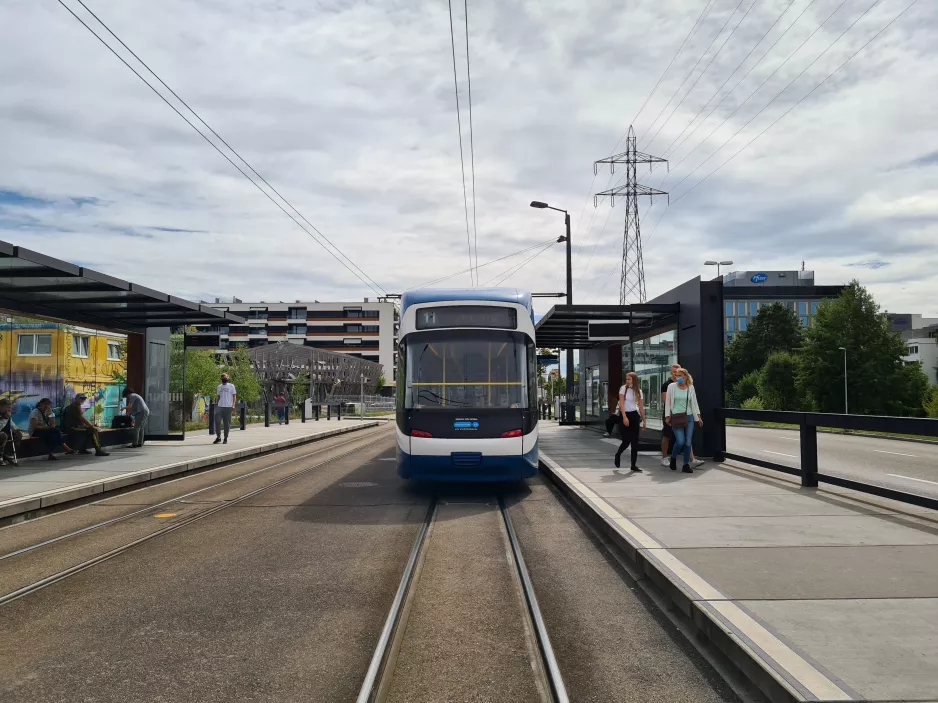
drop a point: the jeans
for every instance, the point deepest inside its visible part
(140, 427)
(682, 440)
(79, 437)
(222, 415)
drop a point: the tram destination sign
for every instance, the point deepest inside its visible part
(484, 316)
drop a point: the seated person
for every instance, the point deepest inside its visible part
(78, 430)
(42, 426)
(9, 432)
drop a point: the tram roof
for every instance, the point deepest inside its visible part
(488, 295)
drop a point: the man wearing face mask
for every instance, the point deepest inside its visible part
(226, 395)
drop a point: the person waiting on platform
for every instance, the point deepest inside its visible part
(140, 411)
(632, 407)
(78, 431)
(42, 426)
(9, 432)
(680, 412)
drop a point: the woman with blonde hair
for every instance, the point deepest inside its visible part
(680, 412)
(632, 412)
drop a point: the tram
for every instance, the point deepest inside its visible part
(467, 385)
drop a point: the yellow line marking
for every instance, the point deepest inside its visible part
(165, 515)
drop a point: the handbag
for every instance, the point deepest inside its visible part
(679, 420)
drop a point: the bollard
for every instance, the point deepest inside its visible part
(328, 412)
(266, 414)
(286, 414)
(303, 412)
(211, 417)
(244, 416)
(316, 411)
(338, 412)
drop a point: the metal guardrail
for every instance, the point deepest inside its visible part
(809, 422)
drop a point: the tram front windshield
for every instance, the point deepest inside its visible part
(468, 369)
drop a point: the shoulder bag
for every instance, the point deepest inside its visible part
(679, 420)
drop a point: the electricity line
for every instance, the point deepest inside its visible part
(767, 79)
(745, 58)
(779, 94)
(801, 100)
(361, 275)
(472, 151)
(462, 161)
(806, 95)
(709, 63)
(689, 74)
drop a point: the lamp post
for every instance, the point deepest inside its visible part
(844, 350)
(571, 410)
(718, 264)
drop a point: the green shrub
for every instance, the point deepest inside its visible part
(754, 403)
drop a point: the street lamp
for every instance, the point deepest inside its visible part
(571, 411)
(844, 350)
(718, 264)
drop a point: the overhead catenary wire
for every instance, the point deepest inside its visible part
(504, 276)
(360, 274)
(462, 158)
(487, 263)
(472, 150)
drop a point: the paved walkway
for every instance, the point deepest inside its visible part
(832, 595)
(38, 483)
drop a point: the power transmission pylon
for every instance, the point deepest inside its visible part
(632, 283)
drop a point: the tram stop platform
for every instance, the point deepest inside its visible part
(38, 483)
(815, 594)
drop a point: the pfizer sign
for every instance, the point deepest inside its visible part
(759, 278)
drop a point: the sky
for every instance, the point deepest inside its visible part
(348, 109)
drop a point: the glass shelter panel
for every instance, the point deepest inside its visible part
(653, 358)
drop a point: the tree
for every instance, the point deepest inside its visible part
(300, 391)
(202, 371)
(242, 375)
(747, 387)
(879, 382)
(778, 386)
(930, 404)
(380, 384)
(775, 328)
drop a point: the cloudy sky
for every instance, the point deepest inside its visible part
(347, 107)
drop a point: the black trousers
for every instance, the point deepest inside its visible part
(611, 422)
(630, 434)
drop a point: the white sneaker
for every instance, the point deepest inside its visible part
(696, 462)
(606, 434)
(666, 462)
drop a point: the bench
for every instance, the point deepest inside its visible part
(32, 446)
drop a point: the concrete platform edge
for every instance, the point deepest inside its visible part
(773, 681)
(11, 509)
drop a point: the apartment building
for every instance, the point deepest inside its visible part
(367, 329)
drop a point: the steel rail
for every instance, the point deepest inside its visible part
(87, 564)
(378, 666)
(141, 511)
(556, 686)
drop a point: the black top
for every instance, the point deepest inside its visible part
(71, 416)
(664, 389)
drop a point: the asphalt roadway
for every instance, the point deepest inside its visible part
(896, 464)
(281, 597)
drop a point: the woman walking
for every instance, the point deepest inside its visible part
(632, 410)
(680, 412)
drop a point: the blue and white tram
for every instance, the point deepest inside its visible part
(467, 385)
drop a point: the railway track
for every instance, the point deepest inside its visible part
(350, 445)
(380, 683)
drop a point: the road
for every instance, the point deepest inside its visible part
(904, 466)
(275, 586)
